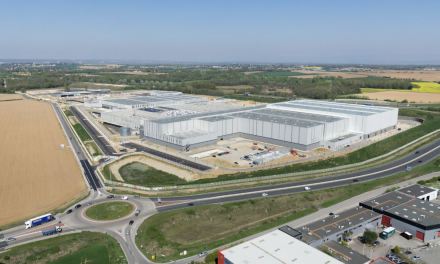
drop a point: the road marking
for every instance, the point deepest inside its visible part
(312, 184)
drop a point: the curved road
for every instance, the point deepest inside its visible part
(75, 221)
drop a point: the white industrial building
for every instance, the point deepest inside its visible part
(274, 247)
(303, 124)
(150, 101)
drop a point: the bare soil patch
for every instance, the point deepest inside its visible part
(400, 96)
(181, 173)
(10, 97)
(36, 174)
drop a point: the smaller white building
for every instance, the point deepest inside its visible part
(274, 247)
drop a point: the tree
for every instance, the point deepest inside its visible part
(396, 250)
(344, 243)
(370, 237)
(211, 257)
(66, 88)
(404, 101)
(22, 90)
(133, 82)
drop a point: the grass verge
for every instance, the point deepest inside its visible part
(210, 226)
(109, 211)
(82, 133)
(93, 149)
(65, 248)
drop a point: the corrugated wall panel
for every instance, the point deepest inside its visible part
(276, 131)
(259, 128)
(267, 129)
(295, 134)
(282, 133)
(303, 132)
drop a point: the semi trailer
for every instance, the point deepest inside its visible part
(54, 230)
(38, 220)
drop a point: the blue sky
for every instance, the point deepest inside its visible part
(223, 31)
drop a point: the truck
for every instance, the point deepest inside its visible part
(387, 232)
(38, 220)
(54, 230)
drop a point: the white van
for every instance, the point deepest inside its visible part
(307, 188)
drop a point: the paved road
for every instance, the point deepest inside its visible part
(96, 136)
(167, 156)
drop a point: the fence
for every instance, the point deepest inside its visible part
(262, 178)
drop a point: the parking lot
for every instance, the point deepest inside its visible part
(417, 247)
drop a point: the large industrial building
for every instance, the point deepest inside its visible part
(408, 209)
(301, 124)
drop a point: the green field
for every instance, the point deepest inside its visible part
(96, 254)
(174, 231)
(109, 211)
(82, 133)
(140, 174)
(70, 249)
(284, 73)
(68, 113)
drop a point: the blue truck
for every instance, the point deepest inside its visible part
(49, 232)
(38, 220)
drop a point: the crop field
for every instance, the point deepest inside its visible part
(285, 74)
(400, 96)
(37, 175)
(425, 87)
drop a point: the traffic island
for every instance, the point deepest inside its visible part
(109, 211)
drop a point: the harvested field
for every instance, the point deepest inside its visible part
(400, 96)
(10, 97)
(428, 76)
(32, 161)
(345, 75)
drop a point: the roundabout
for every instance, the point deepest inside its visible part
(109, 211)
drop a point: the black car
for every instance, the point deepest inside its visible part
(69, 211)
(110, 196)
(190, 204)
(77, 206)
(417, 152)
(236, 163)
(355, 180)
(420, 161)
(131, 222)
(330, 214)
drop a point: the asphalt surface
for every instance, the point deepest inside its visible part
(185, 162)
(96, 136)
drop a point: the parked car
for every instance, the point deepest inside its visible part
(390, 256)
(416, 257)
(77, 206)
(362, 239)
(203, 253)
(236, 163)
(376, 243)
(69, 211)
(110, 196)
(128, 232)
(190, 204)
(124, 198)
(264, 194)
(89, 203)
(307, 188)
(235, 149)
(331, 214)
(10, 239)
(214, 156)
(131, 222)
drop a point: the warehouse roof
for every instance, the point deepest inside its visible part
(374, 109)
(276, 247)
(281, 120)
(298, 115)
(381, 261)
(190, 134)
(386, 201)
(290, 231)
(422, 212)
(336, 223)
(345, 254)
(327, 109)
(416, 190)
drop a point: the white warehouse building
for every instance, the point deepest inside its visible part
(303, 124)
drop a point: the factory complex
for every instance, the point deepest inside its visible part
(301, 124)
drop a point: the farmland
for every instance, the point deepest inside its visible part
(425, 87)
(33, 162)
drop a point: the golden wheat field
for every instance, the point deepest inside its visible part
(36, 174)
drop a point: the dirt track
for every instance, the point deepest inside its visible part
(36, 174)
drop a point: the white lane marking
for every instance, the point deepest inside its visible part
(312, 184)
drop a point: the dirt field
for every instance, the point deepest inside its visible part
(181, 173)
(36, 174)
(10, 97)
(400, 96)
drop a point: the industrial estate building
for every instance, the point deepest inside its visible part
(409, 210)
(344, 253)
(274, 247)
(302, 124)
